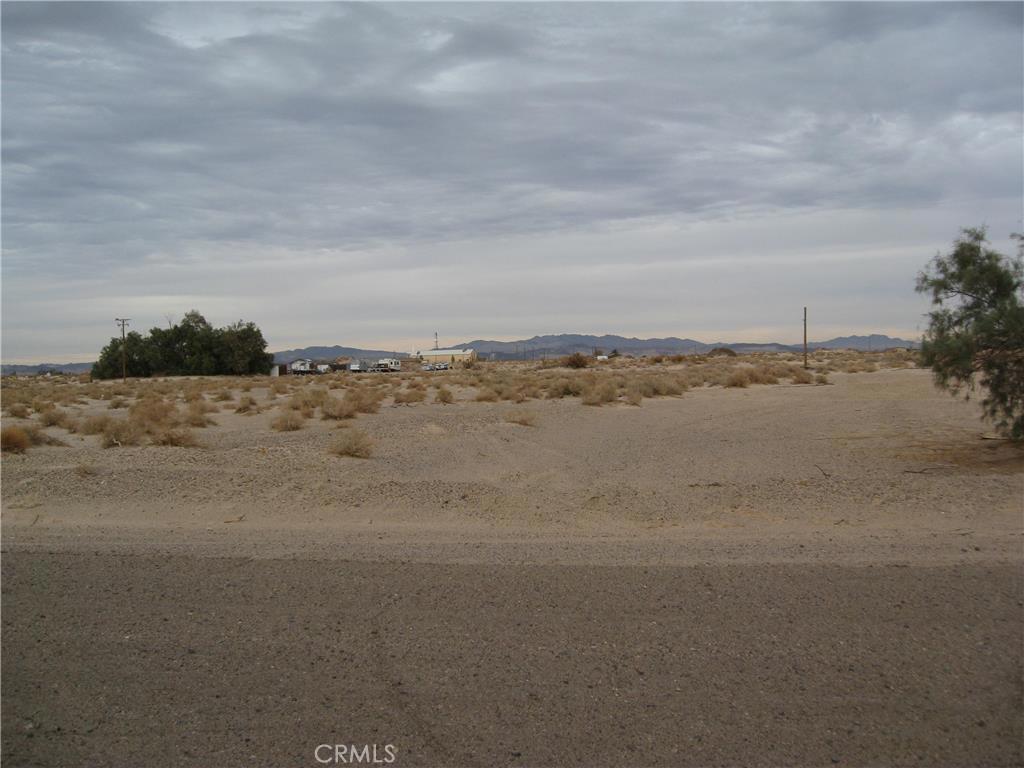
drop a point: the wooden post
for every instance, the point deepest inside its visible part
(805, 338)
(123, 321)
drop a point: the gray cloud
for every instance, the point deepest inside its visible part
(223, 154)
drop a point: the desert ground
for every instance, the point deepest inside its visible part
(677, 562)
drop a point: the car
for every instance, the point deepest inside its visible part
(441, 366)
(427, 367)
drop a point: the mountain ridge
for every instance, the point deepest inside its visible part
(546, 345)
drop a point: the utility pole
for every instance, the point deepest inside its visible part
(123, 321)
(435, 340)
(805, 338)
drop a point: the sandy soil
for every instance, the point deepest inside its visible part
(774, 575)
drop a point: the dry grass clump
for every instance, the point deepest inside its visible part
(364, 399)
(821, 378)
(288, 421)
(740, 377)
(14, 440)
(55, 417)
(486, 395)
(279, 387)
(599, 394)
(307, 400)
(523, 418)
(177, 437)
(196, 413)
(576, 360)
(93, 425)
(247, 404)
(565, 387)
(224, 396)
(116, 403)
(121, 432)
(18, 410)
(152, 413)
(444, 396)
(41, 405)
(86, 470)
(409, 396)
(337, 409)
(800, 376)
(352, 442)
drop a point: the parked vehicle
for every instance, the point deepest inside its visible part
(426, 367)
(440, 366)
(387, 365)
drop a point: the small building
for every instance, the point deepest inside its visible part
(279, 369)
(450, 356)
(301, 366)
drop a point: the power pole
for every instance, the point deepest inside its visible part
(435, 340)
(805, 338)
(123, 321)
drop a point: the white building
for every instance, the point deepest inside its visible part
(434, 356)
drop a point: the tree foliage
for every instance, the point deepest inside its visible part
(192, 347)
(975, 335)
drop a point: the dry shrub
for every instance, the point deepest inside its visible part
(247, 404)
(152, 414)
(576, 360)
(444, 395)
(763, 374)
(739, 377)
(55, 417)
(598, 394)
(195, 414)
(18, 410)
(117, 402)
(40, 405)
(14, 440)
(180, 438)
(523, 418)
(487, 395)
(288, 421)
(121, 432)
(86, 470)
(279, 387)
(93, 425)
(364, 399)
(352, 442)
(337, 409)
(800, 376)
(223, 396)
(634, 394)
(722, 352)
(409, 396)
(38, 437)
(821, 378)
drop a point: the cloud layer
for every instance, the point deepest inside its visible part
(366, 174)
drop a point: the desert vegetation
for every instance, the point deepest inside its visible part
(165, 411)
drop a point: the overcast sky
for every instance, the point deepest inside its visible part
(368, 174)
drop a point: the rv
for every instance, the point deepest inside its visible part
(387, 365)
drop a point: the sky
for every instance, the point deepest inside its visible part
(368, 174)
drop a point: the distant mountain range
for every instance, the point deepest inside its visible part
(544, 346)
(330, 353)
(567, 343)
(31, 370)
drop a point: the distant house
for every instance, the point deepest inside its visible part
(301, 366)
(450, 356)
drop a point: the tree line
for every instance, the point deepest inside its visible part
(192, 347)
